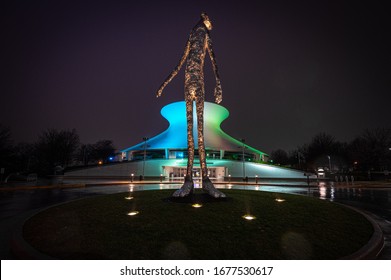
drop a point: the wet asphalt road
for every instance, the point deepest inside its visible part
(15, 206)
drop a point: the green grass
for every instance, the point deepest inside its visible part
(99, 228)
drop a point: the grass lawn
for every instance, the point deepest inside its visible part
(99, 228)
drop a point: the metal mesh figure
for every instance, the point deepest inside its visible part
(198, 43)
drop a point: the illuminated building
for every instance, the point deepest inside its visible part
(166, 153)
(172, 143)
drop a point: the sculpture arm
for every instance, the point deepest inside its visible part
(218, 93)
(175, 71)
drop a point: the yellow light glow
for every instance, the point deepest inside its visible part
(129, 197)
(100, 162)
(133, 213)
(249, 217)
(280, 200)
(196, 205)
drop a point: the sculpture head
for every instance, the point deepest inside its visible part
(206, 21)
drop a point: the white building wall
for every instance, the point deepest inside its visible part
(155, 168)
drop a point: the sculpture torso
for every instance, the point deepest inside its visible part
(194, 71)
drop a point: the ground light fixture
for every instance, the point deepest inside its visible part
(279, 200)
(133, 213)
(196, 205)
(249, 217)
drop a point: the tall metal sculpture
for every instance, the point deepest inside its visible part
(198, 43)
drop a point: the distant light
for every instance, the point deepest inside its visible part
(196, 205)
(133, 213)
(100, 162)
(280, 200)
(111, 158)
(249, 217)
(129, 197)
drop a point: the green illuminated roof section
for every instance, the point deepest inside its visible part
(175, 136)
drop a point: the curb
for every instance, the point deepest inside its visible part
(375, 244)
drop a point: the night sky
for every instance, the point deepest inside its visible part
(289, 69)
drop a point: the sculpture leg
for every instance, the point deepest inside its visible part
(190, 139)
(207, 185)
(188, 186)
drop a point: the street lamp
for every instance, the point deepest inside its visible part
(244, 168)
(145, 139)
(256, 179)
(131, 177)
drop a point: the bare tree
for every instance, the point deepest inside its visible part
(371, 150)
(102, 150)
(5, 147)
(56, 148)
(280, 157)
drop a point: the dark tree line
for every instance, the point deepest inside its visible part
(101, 151)
(54, 151)
(370, 151)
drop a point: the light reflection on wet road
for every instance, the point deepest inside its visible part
(372, 200)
